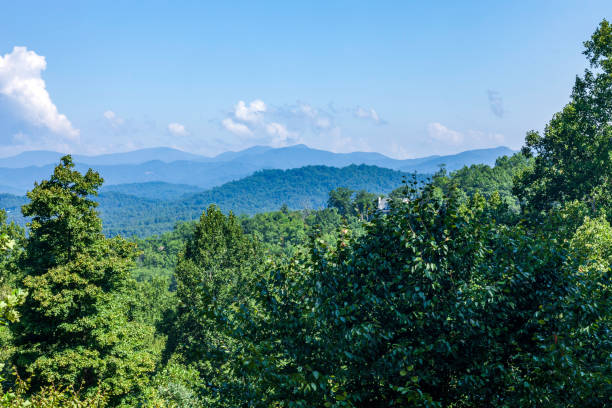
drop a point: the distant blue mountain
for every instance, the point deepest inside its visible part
(153, 190)
(250, 152)
(199, 174)
(300, 155)
(455, 161)
(163, 154)
(167, 165)
(30, 158)
(10, 190)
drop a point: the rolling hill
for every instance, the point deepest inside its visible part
(17, 174)
(154, 190)
(266, 190)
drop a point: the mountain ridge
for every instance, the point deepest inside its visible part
(169, 155)
(206, 173)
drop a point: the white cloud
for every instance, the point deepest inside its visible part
(22, 83)
(316, 118)
(177, 129)
(334, 140)
(251, 113)
(441, 133)
(367, 114)
(470, 139)
(113, 119)
(237, 128)
(301, 122)
(322, 123)
(260, 125)
(308, 110)
(280, 133)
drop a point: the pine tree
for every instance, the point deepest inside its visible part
(72, 330)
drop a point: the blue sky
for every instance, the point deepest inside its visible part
(403, 78)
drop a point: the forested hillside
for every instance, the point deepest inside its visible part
(486, 180)
(153, 190)
(152, 208)
(266, 190)
(486, 287)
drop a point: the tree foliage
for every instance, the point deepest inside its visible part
(217, 271)
(465, 313)
(72, 330)
(453, 296)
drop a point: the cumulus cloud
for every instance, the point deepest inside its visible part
(21, 82)
(251, 113)
(441, 133)
(236, 128)
(280, 133)
(258, 123)
(323, 123)
(496, 103)
(177, 129)
(371, 114)
(113, 119)
(470, 139)
(307, 110)
(316, 118)
(251, 121)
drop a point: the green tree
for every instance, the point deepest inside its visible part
(486, 180)
(11, 241)
(216, 273)
(467, 311)
(341, 199)
(573, 157)
(364, 203)
(72, 331)
(12, 238)
(588, 313)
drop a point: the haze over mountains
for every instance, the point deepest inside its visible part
(167, 165)
(147, 191)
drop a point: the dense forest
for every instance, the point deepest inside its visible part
(483, 287)
(127, 210)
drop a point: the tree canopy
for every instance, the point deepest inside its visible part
(483, 287)
(72, 329)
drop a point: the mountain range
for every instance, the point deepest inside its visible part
(171, 166)
(147, 191)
